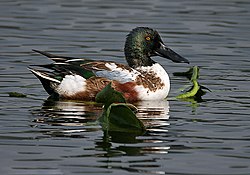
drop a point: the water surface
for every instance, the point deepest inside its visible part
(183, 137)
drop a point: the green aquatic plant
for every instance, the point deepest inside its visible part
(117, 115)
(108, 95)
(17, 94)
(197, 90)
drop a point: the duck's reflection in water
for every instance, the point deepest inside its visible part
(68, 113)
(153, 113)
(73, 113)
(78, 119)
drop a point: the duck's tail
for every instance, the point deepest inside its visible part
(60, 58)
(49, 83)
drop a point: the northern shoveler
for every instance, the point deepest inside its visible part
(142, 79)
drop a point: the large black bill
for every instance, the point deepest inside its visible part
(165, 52)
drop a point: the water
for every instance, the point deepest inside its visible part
(183, 137)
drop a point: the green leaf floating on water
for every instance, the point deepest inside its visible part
(190, 93)
(108, 96)
(117, 114)
(187, 74)
(120, 118)
(197, 90)
(17, 94)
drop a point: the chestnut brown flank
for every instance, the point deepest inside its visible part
(128, 90)
(96, 84)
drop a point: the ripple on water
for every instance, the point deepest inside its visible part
(183, 137)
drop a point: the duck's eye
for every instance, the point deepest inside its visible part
(148, 38)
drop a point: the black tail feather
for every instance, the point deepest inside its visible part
(49, 55)
(46, 80)
(56, 58)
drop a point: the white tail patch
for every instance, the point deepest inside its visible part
(71, 84)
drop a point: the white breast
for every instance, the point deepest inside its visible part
(159, 94)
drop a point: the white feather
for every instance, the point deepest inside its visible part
(71, 84)
(40, 74)
(145, 93)
(118, 73)
(77, 59)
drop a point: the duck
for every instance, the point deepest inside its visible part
(140, 79)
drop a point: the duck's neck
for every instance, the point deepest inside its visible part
(135, 60)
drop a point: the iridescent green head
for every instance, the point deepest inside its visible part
(142, 43)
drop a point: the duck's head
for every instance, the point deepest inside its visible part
(142, 43)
